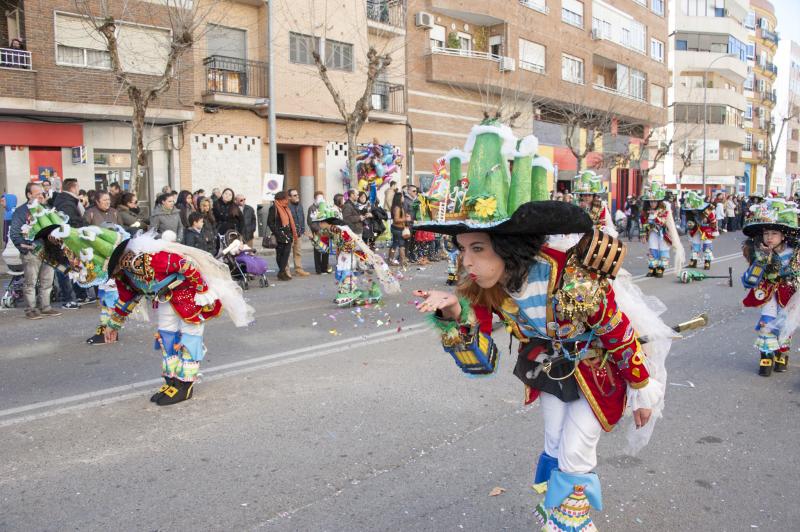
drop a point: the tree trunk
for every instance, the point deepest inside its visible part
(138, 155)
(352, 149)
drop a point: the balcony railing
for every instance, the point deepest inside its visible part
(533, 67)
(230, 75)
(767, 96)
(769, 35)
(614, 91)
(388, 98)
(14, 58)
(437, 50)
(389, 12)
(536, 5)
(771, 67)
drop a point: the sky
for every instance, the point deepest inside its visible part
(788, 14)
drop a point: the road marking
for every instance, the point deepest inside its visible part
(104, 396)
(100, 397)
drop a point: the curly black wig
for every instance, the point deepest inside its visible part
(518, 253)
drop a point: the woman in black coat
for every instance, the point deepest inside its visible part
(227, 213)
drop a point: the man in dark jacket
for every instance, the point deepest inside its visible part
(35, 269)
(350, 214)
(67, 202)
(300, 224)
(248, 220)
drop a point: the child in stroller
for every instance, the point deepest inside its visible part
(242, 260)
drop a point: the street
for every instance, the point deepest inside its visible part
(323, 419)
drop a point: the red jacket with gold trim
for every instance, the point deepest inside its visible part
(168, 276)
(615, 360)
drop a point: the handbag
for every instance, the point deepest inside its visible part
(406, 234)
(269, 242)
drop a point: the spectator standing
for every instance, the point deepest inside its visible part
(388, 196)
(116, 194)
(166, 217)
(350, 214)
(227, 213)
(320, 257)
(719, 212)
(248, 219)
(209, 230)
(129, 215)
(364, 208)
(409, 196)
(281, 223)
(10, 204)
(34, 269)
(296, 208)
(185, 206)
(47, 187)
(193, 236)
(68, 203)
(730, 214)
(102, 212)
(632, 212)
(398, 245)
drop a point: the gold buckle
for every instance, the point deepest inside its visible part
(163, 388)
(171, 391)
(766, 362)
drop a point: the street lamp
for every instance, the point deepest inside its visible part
(705, 111)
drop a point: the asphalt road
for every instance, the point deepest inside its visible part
(317, 418)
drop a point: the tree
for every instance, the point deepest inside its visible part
(686, 156)
(769, 155)
(185, 18)
(354, 119)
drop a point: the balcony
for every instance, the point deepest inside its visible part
(536, 5)
(699, 61)
(386, 16)
(459, 52)
(622, 94)
(234, 82)
(14, 58)
(712, 96)
(388, 99)
(769, 36)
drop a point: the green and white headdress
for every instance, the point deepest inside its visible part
(86, 251)
(774, 213)
(587, 182)
(655, 192)
(504, 174)
(693, 201)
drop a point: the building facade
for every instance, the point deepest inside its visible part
(536, 58)
(62, 112)
(787, 167)
(226, 144)
(707, 98)
(760, 92)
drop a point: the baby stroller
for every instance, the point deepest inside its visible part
(13, 290)
(242, 260)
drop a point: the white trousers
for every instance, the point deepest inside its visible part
(168, 320)
(571, 433)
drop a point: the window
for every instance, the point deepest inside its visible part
(301, 48)
(657, 50)
(748, 111)
(748, 142)
(626, 37)
(793, 157)
(571, 69)
(437, 36)
(749, 81)
(657, 95)
(531, 56)
(750, 20)
(638, 88)
(681, 44)
(572, 12)
(657, 7)
(464, 41)
(796, 134)
(601, 28)
(751, 51)
(79, 44)
(338, 55)
(737, 47)
(227, 42)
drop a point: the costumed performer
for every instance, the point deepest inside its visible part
(702, 228)
(187, 287)
(771, 280)
(579, 351)
(352, 255)
(590, 191)
(659, 232)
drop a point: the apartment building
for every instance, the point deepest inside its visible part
(62, 112)
(708, 105)
(226, 144)
(761, 95)
(787, 167)
(536, 58)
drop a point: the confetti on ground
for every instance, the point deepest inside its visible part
(313, 323)
(335, 332)
(496, 491)
(379, 323)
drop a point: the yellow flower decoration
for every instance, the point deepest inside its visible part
(485, 207)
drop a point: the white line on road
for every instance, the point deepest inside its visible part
(127, 391)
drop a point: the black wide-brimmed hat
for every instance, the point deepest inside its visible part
(534, 217)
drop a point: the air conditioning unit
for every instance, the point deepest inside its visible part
(596, 35)
(507, 64)
(760, 145)
(423, 20)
